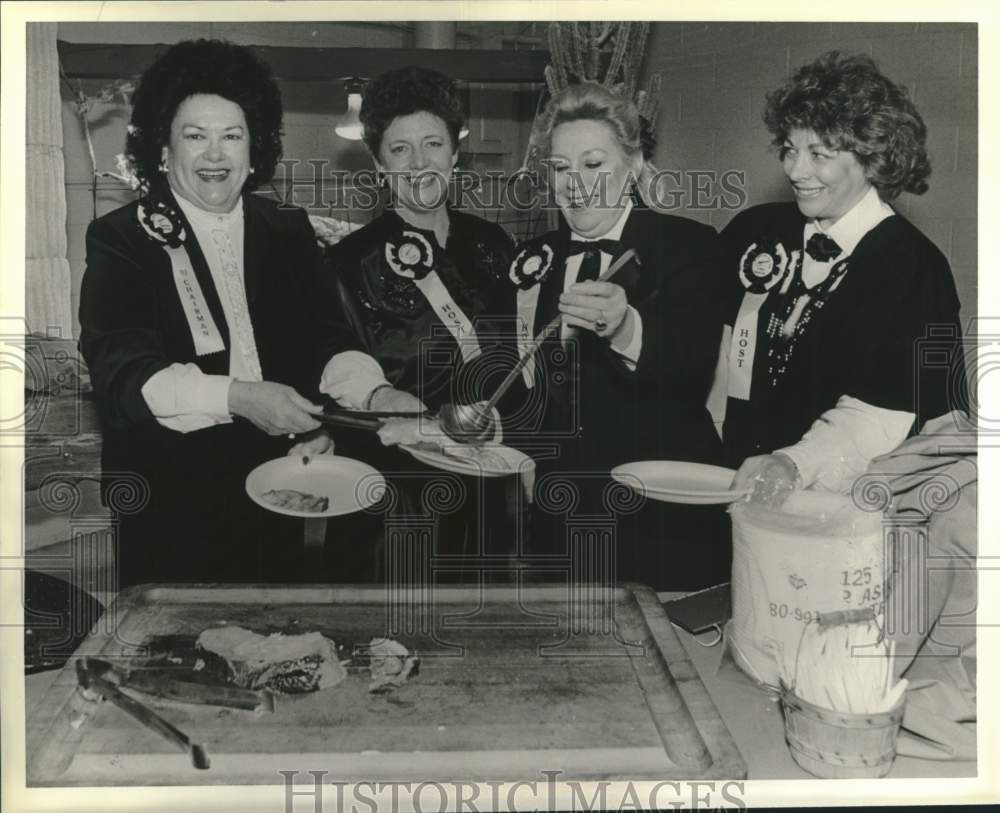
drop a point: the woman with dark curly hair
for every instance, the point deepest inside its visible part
(413, 312)
(422, 286)
(837, 290)
(205, 323)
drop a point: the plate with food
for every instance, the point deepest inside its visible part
(486, 460)
(679, 481)
(424, 439)
(315, 486)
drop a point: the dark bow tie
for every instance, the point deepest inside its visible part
(612, 247)
(822, 248)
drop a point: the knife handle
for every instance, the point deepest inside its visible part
(146, 716)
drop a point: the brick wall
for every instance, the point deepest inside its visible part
(715, 76)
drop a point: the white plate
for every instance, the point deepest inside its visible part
(679, 481)
(349, 485)
(518, 462)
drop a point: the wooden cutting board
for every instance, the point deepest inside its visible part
(587, 681)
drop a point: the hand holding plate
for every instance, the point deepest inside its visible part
(771, 476)
(321, 443)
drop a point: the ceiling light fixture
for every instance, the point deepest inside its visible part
(350, 126)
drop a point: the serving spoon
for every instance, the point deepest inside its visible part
(470, 423)
(474, 423)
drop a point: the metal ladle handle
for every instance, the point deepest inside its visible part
(511, 377)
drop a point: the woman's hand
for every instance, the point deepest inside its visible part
(389, 399)
(274, 408)
(411, 430)
(771, 476)
(600, 307)
(321, 443)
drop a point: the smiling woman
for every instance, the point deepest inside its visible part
(208, 158)
(588, 164)
(827, 182)
(416, 158)
(417, 279)
(422, 286)
(836, 290)
(626, 376)
(205, 324)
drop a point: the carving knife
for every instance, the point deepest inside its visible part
(94, 686)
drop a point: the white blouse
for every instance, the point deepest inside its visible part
(181, 396)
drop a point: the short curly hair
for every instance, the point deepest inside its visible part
(405, 91)
(851, 105)
(204, 66)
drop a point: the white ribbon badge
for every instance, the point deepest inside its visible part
(444, 306)
(527, 305)
(743, 346)
(207, 338)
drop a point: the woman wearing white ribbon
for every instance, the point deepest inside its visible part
(846, 336)
(205, 325)
(626, 376)
(416, 279)
(846, 345)
(422, 284)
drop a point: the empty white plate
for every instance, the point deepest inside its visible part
(348, 484)
(679, 481)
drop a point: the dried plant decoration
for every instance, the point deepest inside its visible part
(115, 92)
(609, 53)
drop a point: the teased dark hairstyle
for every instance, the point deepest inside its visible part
(405, 91)
(852, 106)
(211, 67)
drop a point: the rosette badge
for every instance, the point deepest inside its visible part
(762, 266)
(162, 223)
(411, 256)
(530, 266)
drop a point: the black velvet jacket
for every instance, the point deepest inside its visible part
(606, 413)
(133, 325)
(394, 323)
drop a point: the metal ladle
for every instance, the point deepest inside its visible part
(474, 423)
(469, 423)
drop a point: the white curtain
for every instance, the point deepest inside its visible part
(47, 273)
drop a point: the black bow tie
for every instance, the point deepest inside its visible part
(822, 248)
(612, 247)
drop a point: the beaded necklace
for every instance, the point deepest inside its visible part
(792, 316)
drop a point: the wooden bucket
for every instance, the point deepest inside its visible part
(840, 745)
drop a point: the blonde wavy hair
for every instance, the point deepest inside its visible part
(590, 101)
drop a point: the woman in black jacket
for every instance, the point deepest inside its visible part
(423, 288)
(205, 324)
(837, 298)
(628, 373)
